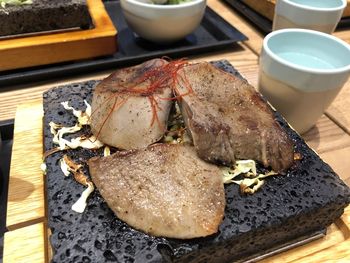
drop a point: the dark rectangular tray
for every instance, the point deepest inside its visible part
(214, 33)
(6, 133)
(264, 24)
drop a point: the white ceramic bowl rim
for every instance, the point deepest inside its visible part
(320, 9)
(167, 7)
(299, 67)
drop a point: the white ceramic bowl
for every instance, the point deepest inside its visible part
(163, 23)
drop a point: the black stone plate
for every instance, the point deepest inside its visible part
(213, 34)
(264, 24)
(308, 198)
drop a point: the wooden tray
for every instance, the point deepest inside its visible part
(267, 7)
(60, 47)
(26, 215)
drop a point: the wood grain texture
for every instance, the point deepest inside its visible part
(59, 47)
(339, 109)
(339, 161)
(25, 245)
(343, 34)
(26, 186)
(326, 136)
(321, 249)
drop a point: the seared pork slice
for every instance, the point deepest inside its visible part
(163, 190)
(228, 119)
(128, 107)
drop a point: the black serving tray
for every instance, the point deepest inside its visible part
(214, 33)
(6, 139)
(264, 24)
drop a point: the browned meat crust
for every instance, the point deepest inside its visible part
(163, 190)
(228, 119)
(126, 112)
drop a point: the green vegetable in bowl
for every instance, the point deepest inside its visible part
(3, 3)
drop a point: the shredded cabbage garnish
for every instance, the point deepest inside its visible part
(59, 130)
(67, 165)
(58, 137)
(250, 186)
(76, 113)
(83, 142)
(43, 167)
(176, 132)
(80, 205)
(106, 151)
(64, 167)
(241, 167)
(83, 117)
(54, 127)
(251, 181)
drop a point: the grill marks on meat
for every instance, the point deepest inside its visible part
(163, 190)
(228, 120)
(126, 112)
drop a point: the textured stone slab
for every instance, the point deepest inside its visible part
(307, 199)
(44, 15)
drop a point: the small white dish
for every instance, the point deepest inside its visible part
(163, 23)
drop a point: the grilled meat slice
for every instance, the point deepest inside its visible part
(128, 112)
(228, 119)
(163, 190)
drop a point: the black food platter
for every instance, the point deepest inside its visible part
(6, 139)
(261, 22)
(213, 34)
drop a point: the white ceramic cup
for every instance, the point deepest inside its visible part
(320, 15)
(301, 72)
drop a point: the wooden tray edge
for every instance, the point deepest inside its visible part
(60, 47)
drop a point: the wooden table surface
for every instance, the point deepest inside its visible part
(26, 240)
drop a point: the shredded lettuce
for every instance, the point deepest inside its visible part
(106, 151)
(43, 167)
(83, 118)
(80, 205)
(64, 167)
(241, 167)
(251, 182)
